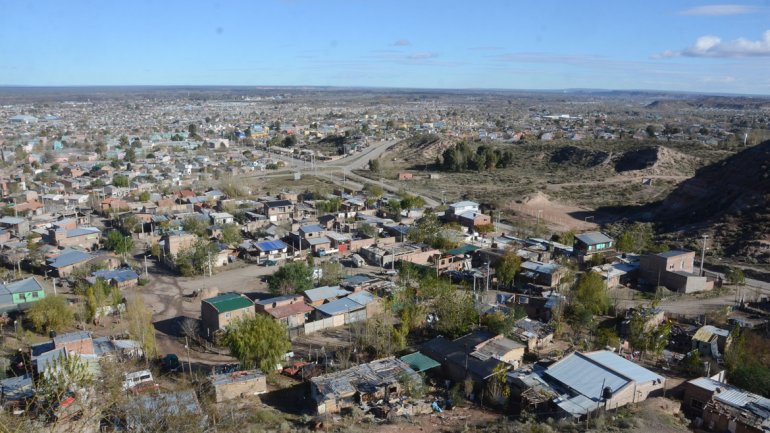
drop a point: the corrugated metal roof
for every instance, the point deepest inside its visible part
(268, 246)
(623, 366)
(580, 373)
(229, 302)
(340, 306)
(318, 241)
(592, 238)
(325, 292)
(419, 362)
(707, 332)
(22, 286)
(363, 297)
(68, 258)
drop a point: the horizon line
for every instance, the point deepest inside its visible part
(336, 87)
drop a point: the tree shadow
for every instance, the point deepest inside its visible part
(294, 399)
(171, 327)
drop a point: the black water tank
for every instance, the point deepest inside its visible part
(607, 393)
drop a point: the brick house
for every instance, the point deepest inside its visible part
(218, 312)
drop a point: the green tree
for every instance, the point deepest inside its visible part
(196, 260)
(231, 234)
(506, 268)
(140, 326)
(119, 244)
(120, 181)
(374, 165)
(144, 196)
(373, 190)
(591, 293)
(331, 273)
(51, 313)
(195, 225)
(67, 372)
(130, 155)
(734, 275)
(257, 341)
(456, 312)
(292, 277)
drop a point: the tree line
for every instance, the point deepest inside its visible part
(463, 157)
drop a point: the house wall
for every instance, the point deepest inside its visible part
(633, 393)
(695, 399)
(21, 298)
(230, 391)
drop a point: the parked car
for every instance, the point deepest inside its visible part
(170, 363)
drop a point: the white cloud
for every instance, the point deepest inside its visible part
(423, 55)
(714, 46)
(402, 43)
(720, 10)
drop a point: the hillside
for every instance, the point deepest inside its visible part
(732, 197)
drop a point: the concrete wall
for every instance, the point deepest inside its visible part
(230, 391)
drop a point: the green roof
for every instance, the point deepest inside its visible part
(419, 362)
(229, 302)
(465, 249)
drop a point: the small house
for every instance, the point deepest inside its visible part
(239, 384)
(218, 312)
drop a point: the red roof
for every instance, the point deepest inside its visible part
(290, 310)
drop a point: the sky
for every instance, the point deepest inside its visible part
(675, 45)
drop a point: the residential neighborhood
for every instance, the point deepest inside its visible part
(203, 255)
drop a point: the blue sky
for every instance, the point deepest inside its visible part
(617, 44)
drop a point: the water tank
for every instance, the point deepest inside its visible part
(607, 393)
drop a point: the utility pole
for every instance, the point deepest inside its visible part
(189, 365)
(703, 255)
(145, 266)
(487, 289)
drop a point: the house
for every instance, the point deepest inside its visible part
(588, 244)
(17, 392)
(148, 411)
(279, 210)
(673, 269)
(723, 407)
(123, 278)
(67, 261)
(348, 310)
(544, 274)
(231, 386)
(19, 295)
(582, 383)
(221, 218)
(291, 310)
(218, 312)
(80, 237)
(16, 225)
(265, 250)
(456, 209)
(465, 357)
(473, 219)
(711, 341)
(365, 383)
(324, 294)
(533, 333)
(177, 241)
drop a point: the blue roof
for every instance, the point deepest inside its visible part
(325, 292)
(588, 373)
(275, 245)
(22, 286)
(82, 231)
(363, 298)
(339, 306)
(119, 275)
(539, 267)
(312, 228)
(68, 258)
(17, 388)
